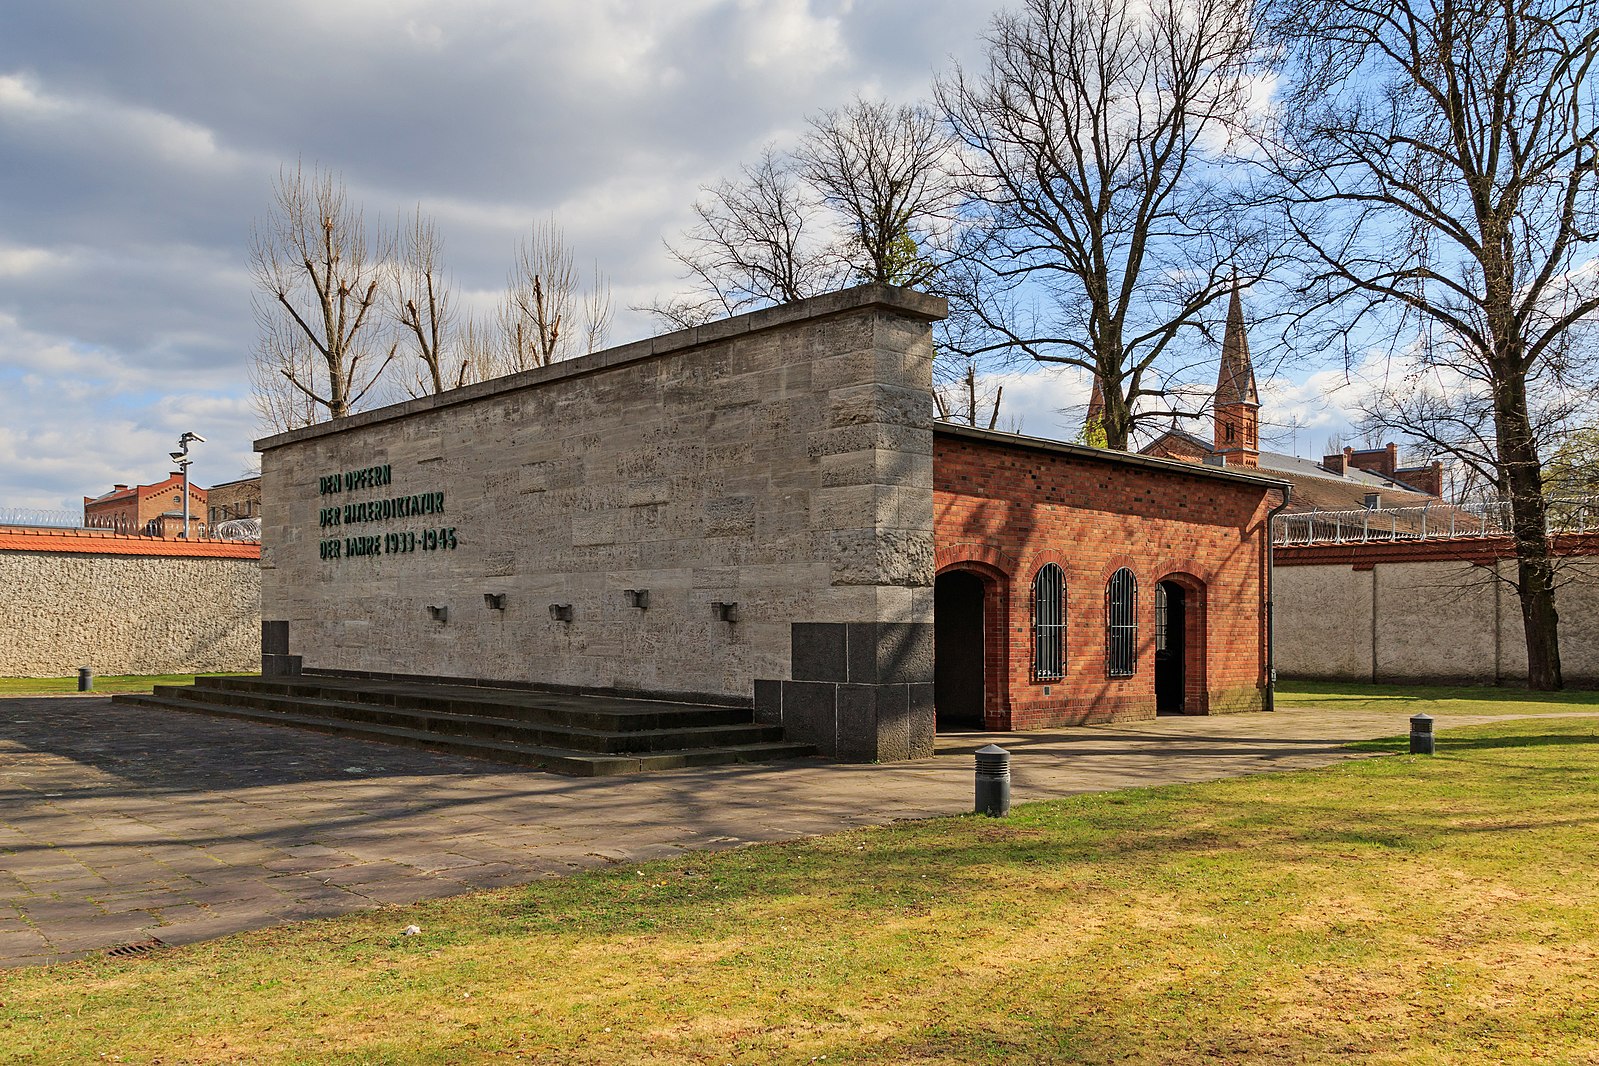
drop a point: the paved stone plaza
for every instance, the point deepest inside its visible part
(118, 824)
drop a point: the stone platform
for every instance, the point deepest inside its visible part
(582, 735)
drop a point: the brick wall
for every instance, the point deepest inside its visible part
(1002, 511)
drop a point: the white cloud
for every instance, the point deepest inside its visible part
(16, 261)
(141, 140)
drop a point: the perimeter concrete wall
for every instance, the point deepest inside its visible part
(121, 614)
(779, 462)
(1398, 613)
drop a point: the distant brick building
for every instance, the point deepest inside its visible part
(234, 499)
(155, 510)
(1077, 584)
(1347, 481)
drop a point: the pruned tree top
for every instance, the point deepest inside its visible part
(317, 278)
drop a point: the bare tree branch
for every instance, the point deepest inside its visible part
(547, 314)
(757, 241)
(1100, 228)
(1443, 162)
(316, 281)
(885, 171)
(421, 304)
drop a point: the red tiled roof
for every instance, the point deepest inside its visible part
(155, 488)
(95, 542)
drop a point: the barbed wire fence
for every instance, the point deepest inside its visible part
(1433, 521)
(241, 529)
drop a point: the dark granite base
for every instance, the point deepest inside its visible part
(861, 691)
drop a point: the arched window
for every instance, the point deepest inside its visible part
(1049, 623)
(1121, 624)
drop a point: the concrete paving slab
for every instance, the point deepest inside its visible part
(118, 823)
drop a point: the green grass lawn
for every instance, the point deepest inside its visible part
(56, 686)
(1395, 909)
(1436, 700)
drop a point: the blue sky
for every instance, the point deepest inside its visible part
(139, 141)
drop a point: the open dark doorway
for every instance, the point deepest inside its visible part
(1170, 650)
(958, 650)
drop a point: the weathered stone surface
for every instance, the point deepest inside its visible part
(780, 462)
(128, 614)
(882, 557)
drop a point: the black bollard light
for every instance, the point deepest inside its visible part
(993, 781)
(1421, 735)
(85, 679)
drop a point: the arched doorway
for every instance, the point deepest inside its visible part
(1171, 647)
(958, 650)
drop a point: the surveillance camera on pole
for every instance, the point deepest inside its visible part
(181, 457)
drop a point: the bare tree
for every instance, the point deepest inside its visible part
(421, 305)
(481, 349)
(964, 399)
(758, 240)
(1101, 228)
(317, 283)
(279, 406)
(885, 171)
(547, 314)
(1444, 156)
(596, 306)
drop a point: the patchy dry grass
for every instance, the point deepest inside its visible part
(1436, 700)
(1386, 910)
(58, 686)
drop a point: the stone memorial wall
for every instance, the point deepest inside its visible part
(688, 516)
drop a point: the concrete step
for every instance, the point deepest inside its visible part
(644, 745)
(481, 724)
(601, 713)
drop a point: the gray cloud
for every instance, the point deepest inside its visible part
(141, 141)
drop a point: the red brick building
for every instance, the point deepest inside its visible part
(155, 510)
(1076, 584)
(233, 500)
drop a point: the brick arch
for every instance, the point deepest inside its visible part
(1185, 568)
(1048, 555)
(994, 568)
(1196, 629)
(1119, 562)
(955, 556)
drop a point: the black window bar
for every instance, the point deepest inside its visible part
(1049, 623)
(1160, 616)
(1121, 624)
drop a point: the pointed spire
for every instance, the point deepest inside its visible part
(1237, 402)
(1236, 381)
(1093, 431)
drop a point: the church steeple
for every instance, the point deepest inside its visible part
(1094, 421)
(1237, 402)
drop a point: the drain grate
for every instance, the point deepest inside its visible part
(143, 947)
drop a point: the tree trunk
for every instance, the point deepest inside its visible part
(1117, 420)
(1535, 572)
